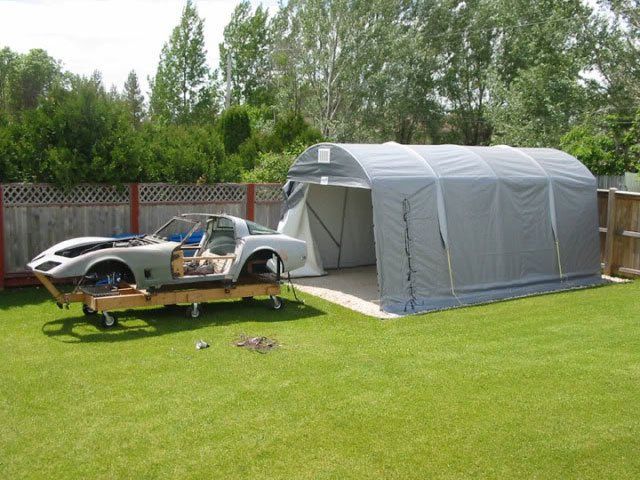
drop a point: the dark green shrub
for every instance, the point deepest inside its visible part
(234, 126)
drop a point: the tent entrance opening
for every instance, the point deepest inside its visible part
(341, 223)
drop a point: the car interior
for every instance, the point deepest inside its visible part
(214, 255)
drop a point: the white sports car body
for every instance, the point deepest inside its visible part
(189, 248)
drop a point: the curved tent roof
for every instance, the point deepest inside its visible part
(358, 165)
(451, 224)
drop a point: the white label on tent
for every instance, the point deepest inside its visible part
(324, 180)
(324, 155)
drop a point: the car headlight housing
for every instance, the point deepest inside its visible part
(46, 266)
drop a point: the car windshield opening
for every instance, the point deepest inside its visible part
(181, 230)
(257, 229)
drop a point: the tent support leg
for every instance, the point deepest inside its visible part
(322, 224)
(344, 211)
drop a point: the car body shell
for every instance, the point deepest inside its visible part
(149, 258)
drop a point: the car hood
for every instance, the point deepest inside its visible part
(71, 243)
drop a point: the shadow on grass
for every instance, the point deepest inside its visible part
(137, 324)
(23, 296)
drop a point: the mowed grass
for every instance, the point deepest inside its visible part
(543, 387)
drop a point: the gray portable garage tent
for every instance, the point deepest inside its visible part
(446, 225)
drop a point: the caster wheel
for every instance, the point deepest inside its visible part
(109, 320)
(87, 310)
(276, 302)
(194, 310)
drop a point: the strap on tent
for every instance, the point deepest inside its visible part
(344, 214)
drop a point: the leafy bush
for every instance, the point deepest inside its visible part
(183, 154)
(608, 148)
(234, 126)
(273, 167)
(292, 129)
(76, 135)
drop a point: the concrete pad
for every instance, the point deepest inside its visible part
(355, 288)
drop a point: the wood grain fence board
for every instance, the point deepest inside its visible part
(619, 216)
(609, 245)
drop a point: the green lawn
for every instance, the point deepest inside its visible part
(543, 387)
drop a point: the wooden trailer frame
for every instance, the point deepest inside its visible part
(127, 296)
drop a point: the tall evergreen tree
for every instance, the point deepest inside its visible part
(181, 89)
(134, 99)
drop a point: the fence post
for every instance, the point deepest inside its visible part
(134, 204)
(611, 231)
(1, 239)
(251, 202)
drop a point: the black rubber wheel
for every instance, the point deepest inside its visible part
(247, 299)
(109, 320)
(276, 302)
(88, 310)
(194, 310)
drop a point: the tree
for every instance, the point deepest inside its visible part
(617, 56)
(181, 89)
(541, 53)
(326, 53)
(462, 35)
(25, 79)
(77, 133)
(134, 99)
(247, 40)
(234, 127)
(7, 71)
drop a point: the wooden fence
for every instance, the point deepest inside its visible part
(36, 216)
(619, 214)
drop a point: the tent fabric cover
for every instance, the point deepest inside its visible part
(452, 225)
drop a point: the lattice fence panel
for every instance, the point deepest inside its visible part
(269, 194)
(34, 194)
(186, 193)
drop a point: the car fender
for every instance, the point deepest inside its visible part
(110, 258)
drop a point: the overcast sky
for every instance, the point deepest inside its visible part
(113, 36)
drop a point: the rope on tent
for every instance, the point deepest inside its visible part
(559, 262)
(453, 290)
(406, 208)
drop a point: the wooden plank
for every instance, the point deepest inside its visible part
(221, 257)
(630, 234)
(611, 228)
(630, 271)
(140, 298)
(51, 288)
(134, 208)
(623, 246)
(59, 296)
(251, 202)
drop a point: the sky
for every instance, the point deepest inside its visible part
(113, 36)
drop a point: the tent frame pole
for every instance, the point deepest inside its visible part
(322, 224)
